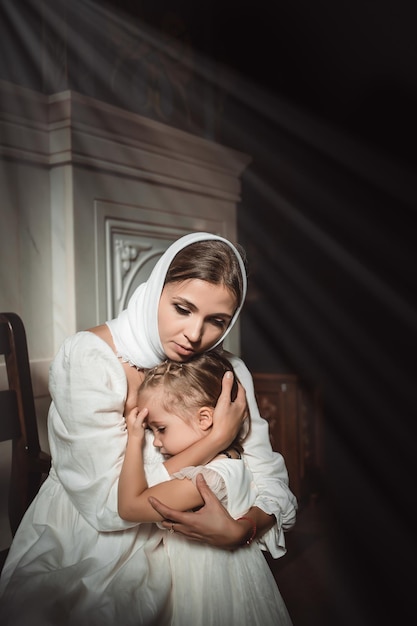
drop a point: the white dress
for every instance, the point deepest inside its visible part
(214, 587)
(73, 560)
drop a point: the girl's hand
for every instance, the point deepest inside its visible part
(229, 416)
(136, 423)
(211, 524)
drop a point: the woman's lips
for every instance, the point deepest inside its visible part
(183, 351)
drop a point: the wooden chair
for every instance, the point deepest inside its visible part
(29, 464)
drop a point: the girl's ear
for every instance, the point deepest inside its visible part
(205, 417)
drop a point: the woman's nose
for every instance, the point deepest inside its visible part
(194, 331)
(156, 442)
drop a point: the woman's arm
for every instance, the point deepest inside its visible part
(212, 523)
(87, 429)
(269, 471)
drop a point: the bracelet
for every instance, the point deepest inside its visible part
(252, 537)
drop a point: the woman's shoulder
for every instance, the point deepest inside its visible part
(84, 370)
(235, 360)
(84, 341)
(84, 348)
(241, 369)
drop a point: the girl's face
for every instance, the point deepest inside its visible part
(192, 316)
(171, 433)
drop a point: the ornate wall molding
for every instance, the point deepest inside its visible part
(68, 128)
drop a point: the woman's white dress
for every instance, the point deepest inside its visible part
(73, 559)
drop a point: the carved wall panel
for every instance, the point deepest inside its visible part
(294, 413)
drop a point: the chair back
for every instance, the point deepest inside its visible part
(29, 464)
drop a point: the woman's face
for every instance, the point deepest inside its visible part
(192, 316)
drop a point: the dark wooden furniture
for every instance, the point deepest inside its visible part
(294, 412)
(18, 421)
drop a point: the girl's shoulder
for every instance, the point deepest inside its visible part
(227, 469)
(230, 480)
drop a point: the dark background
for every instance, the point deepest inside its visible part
(352, 63)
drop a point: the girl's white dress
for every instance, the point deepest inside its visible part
(74, 561)
(214, 587)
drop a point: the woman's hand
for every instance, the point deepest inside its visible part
(229, 416)
(136, 424)
(211, 524)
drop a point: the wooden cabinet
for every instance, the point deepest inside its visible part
(294, 412)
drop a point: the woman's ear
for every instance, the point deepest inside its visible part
(205, 417)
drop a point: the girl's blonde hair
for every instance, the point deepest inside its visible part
(192, 384)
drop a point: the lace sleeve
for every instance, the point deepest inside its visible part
(213, 479)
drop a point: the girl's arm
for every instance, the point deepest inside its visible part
(132, 479)
(133, 492)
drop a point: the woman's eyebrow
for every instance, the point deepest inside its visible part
(180, 300)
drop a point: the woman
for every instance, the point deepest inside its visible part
(73, 559)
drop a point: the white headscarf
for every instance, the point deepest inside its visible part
(135, 330)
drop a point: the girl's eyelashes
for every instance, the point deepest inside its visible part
(158, 429)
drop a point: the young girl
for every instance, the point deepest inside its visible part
(73, 560)
(210, 587)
